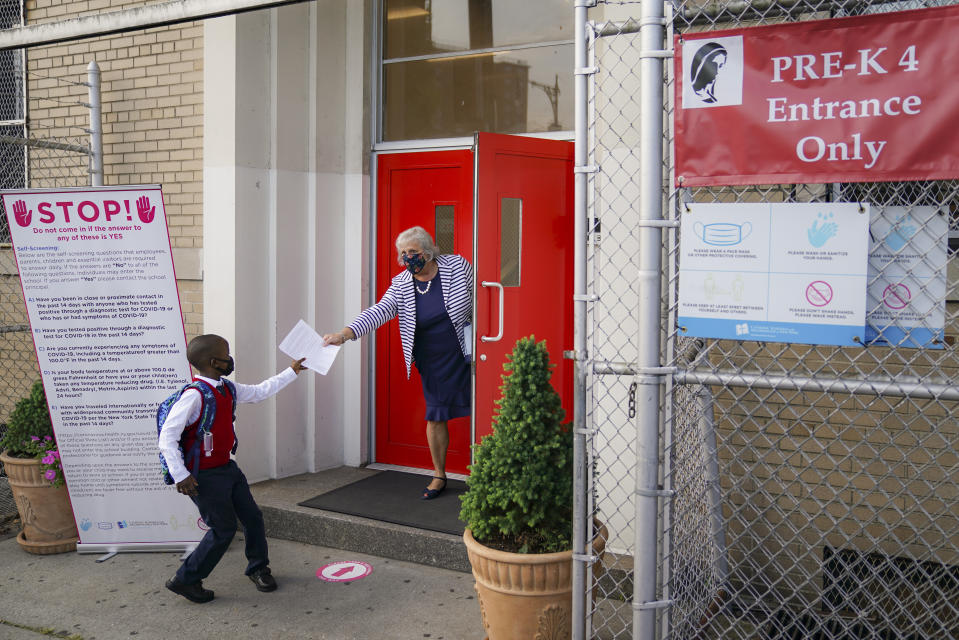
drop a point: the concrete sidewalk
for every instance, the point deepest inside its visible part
(73, 596)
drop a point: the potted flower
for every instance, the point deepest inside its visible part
(32, 462)
(518, 506)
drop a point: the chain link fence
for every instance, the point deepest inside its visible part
(13, 119)
(49, 152)
(13, 169)
(806, 491)
(53, 152)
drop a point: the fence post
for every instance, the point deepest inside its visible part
(648, 312)
(581, 360)
(96, 129)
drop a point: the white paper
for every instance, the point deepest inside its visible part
(303, 341)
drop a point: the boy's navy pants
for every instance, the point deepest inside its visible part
(224, 497)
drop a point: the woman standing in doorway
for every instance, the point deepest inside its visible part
(433, 298)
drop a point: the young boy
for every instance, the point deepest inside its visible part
(219, 490)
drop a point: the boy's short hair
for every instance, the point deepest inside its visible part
(200, 349)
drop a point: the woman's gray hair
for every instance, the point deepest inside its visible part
(422, 238)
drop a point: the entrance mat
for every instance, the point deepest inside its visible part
(394, 496)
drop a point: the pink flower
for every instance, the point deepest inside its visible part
(48, 459)
(50, 475)
(35, 439)
(55, 454)
(47, 438)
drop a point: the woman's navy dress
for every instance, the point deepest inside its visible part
(438, 357)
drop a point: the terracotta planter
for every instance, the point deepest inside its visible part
(524, 596)
(45, 511)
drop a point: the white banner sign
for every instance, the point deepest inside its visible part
(777, 272)
(97, 275)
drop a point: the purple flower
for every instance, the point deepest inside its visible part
(35, 439)
(55, 454)
(47, 438)
(50, 475)
(48, 460)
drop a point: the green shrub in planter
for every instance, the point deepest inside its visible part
(30, 435)
(519, 496)
(30, 417)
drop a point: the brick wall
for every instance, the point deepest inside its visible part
(152, 115)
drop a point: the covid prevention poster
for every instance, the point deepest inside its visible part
(858, 99)
(98, 281)
(776, 272)
(907, 277)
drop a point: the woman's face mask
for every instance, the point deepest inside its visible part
(414, 262)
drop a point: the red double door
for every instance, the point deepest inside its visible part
(520, 242)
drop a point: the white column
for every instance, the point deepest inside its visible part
(286, 220)
(356, 234)
(238, 217)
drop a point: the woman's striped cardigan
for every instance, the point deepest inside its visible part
(456, 275)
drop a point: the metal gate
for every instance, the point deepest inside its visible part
(743, 489)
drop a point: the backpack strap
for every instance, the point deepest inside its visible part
(232, 387)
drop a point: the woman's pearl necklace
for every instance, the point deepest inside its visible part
(423, 291)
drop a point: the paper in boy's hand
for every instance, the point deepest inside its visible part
(303, 341)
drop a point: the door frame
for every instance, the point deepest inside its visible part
(463, 144)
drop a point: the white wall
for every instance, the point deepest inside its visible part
(616, 263)
(286, 220)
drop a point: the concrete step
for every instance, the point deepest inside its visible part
(286, 520)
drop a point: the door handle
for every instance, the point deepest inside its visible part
(498, 336)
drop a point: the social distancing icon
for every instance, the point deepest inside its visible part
(344, 571)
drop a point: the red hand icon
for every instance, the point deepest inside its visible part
(144, 210)
(21, 213)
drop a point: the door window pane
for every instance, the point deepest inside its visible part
(445, 228)
(426, 27)
(515, 91)
(510, 241)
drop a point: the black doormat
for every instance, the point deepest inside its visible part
(393, 496)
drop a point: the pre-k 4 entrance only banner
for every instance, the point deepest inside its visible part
(98, 281)
(861, 99)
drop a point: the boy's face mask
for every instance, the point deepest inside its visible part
(414, 262)
(228, 369)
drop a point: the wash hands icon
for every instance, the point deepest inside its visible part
(900, 233)
(821, 230)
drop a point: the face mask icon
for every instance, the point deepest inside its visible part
(722, 234)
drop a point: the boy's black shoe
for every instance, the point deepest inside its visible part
(263, 579)
(192, 592)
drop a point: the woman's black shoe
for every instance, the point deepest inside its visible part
(429, 494)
